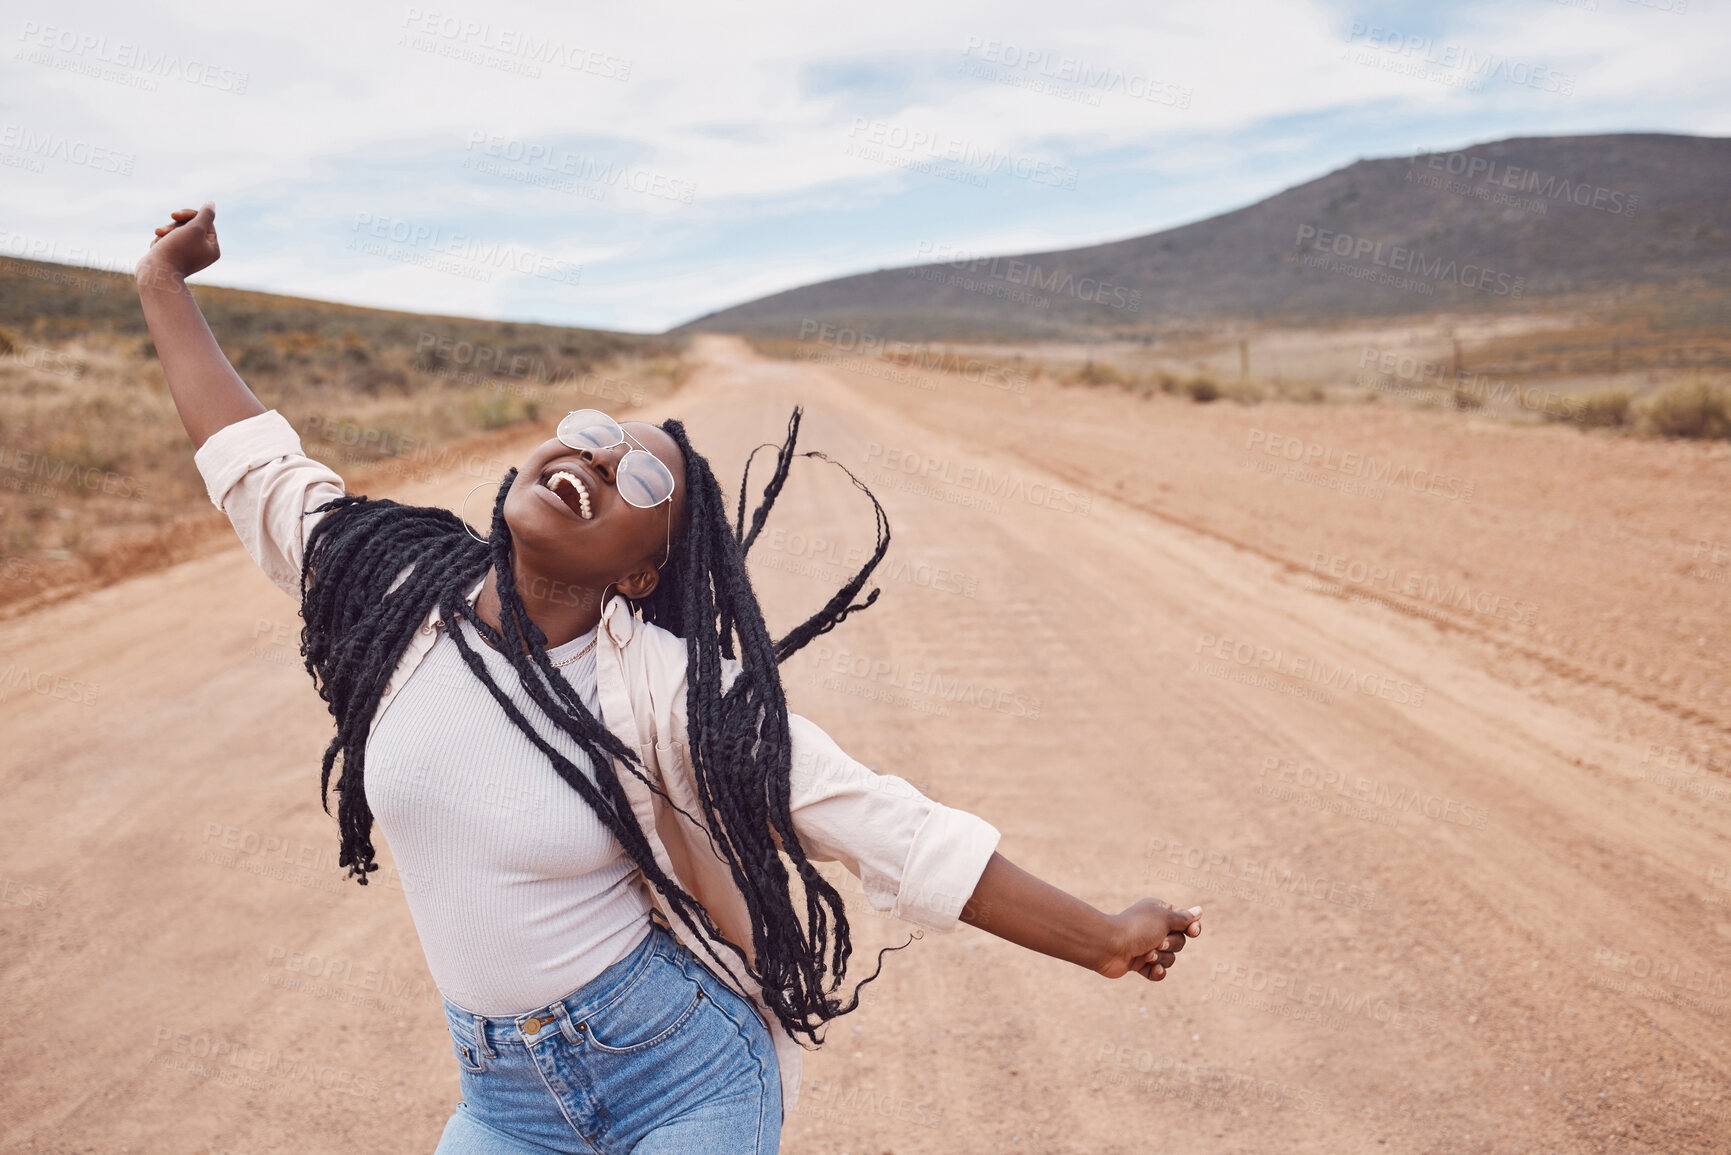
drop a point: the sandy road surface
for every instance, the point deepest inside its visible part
(1448, 910)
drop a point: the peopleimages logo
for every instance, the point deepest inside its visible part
(1456, 64)
(581, 167)
(1351, 463)
(1306, 668)
(918, 355)
(894, 462)
(471, 255)
(1014, 271)
(1400, 259)
(1086, 78)
(458, 37)
(90, 53)
(942, 147)
(70, 150)
(1406, 366)
(1472, 168)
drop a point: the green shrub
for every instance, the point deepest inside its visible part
(1203, 388)
(494, 412)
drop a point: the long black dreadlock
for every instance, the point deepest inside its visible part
(373, 571)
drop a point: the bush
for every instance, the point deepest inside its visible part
(1600, 409)
(1100, 374)
(1169, 382)
(495, 412)
(370, 379)
(258, 358)
(1305, 394)
(1689, 409)
(297, 347)
(1243, 392)
(1203, 388)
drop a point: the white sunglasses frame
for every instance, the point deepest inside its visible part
(624, 437)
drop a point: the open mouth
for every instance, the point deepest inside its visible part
(568, 487)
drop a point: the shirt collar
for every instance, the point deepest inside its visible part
(435, 618)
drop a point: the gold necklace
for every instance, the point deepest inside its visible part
(578, 654)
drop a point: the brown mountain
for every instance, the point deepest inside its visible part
(1493, 226)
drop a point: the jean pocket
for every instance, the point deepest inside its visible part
(654, 1009)
(468, 1054)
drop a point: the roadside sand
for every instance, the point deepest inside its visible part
(1487, 911)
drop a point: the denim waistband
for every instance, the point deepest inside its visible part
(563, 1015)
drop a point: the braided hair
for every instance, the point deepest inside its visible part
(373, 571)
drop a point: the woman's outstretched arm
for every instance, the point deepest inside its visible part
(1016, 906)
(207, 391)
(933, 865)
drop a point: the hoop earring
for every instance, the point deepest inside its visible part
(463, 514)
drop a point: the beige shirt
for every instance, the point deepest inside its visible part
(916, 859)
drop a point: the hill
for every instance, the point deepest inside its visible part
(1510, 224)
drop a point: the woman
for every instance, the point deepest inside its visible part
(626, 960)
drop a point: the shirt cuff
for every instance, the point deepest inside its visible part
(233, 451)
(944, 865)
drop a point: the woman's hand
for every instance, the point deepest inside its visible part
(182, 247)
(1149, 936)
(207, 392)
(1020, 908)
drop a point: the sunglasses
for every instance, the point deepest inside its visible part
(640, 476)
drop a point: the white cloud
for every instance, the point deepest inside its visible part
(734, 121)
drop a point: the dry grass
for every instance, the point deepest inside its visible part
(1604, 408)
(1695, 408)
(1101, 373)
(96, 474)
(1640, 363)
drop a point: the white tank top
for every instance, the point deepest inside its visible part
(519, 894)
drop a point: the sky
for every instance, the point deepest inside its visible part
(635, 166)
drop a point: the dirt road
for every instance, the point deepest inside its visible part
(1466, 888)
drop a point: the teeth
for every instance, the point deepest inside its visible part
(577, 484)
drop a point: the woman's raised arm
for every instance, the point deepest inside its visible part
(257, 474)
(207, 391)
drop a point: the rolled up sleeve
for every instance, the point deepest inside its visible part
(916, 859)
(255, 472)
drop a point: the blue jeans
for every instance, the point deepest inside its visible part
(653, 1056)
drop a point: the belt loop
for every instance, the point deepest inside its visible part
(481, 1038)
(563, 1013)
